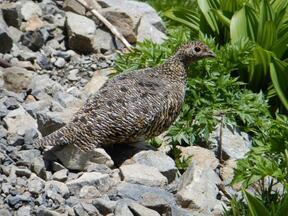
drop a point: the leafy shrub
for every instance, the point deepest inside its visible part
(263, 22)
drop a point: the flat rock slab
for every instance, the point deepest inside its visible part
(98, 180)
(142, 174)
(159, 160)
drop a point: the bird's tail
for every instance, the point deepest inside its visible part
(61, 137)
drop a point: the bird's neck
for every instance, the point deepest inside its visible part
(175, 69)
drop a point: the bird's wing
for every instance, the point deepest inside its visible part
(125, 107)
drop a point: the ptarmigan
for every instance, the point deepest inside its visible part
(132, 106)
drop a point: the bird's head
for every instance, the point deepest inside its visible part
(194, 51)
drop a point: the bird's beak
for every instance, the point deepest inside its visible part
(210, 54)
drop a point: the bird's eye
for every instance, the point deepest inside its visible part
(197, 49)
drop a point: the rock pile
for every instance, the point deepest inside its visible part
(54, 54)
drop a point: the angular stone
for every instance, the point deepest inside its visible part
(30, 9)
(38, 167)
(122, 209)
(28, 155)
(235, 144)
(142, 174)
(102, 41)
(14, 33)
(198, 185)
(104, 206)
(85, 209)
(56, 187)
(16, 78)
(34, 23)
(80, 32)
(60, 62)
(34, 40)
(138, 209)
(18, 121)
(5, 40)
(74, 6)
(11, 15)
(61, 175)
(89, 192)
(136, 192)
(159, 160)
(100, 181)
(23, 172)
(122, 21)
(147, 31)
(35, 185)
(24, 211)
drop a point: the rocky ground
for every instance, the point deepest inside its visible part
(53, 55)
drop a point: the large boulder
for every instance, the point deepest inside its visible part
(30, 9)
(80, 32)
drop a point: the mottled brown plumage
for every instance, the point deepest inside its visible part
(131, 106)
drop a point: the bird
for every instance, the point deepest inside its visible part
(132, 106)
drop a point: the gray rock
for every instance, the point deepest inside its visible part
(30, 9)
(67, 100)
(122, 209)
(104, 206)
(89, 192)
(37, 106)
(100, 181)
(54, 188)
(18, 121)
(142, 174)
(5, 212)
(3, 110)
(14, 33)
(74, 6)
(198, 185)
(11, 14)
(61, 175)
(85, 209)
(60, 62)
(23, 172)
(24, 211)
(122, 21)
(11, 103)
(3, 131)
(147, 31)
(80, 32)
(140, 210)
(28, 155)
(75, 159)
(41, 84)
(38, 167)
(136, 192)
(159, 160)
(5, 40)
(73, 75)
(47, 212)
(34, 40)
(158, 203)
(16, 78)
(235, 144)
(102, 41)
(49, 122)
(35, 185)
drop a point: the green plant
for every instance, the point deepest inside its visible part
(263, 22)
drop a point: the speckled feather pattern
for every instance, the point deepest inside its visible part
(131, 106)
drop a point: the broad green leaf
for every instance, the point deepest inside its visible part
(279, 77)
(266, 28)
(184, 16)
(243, 24)
(225, 20)
(255, 206)
(205, 7)
(266, 35)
